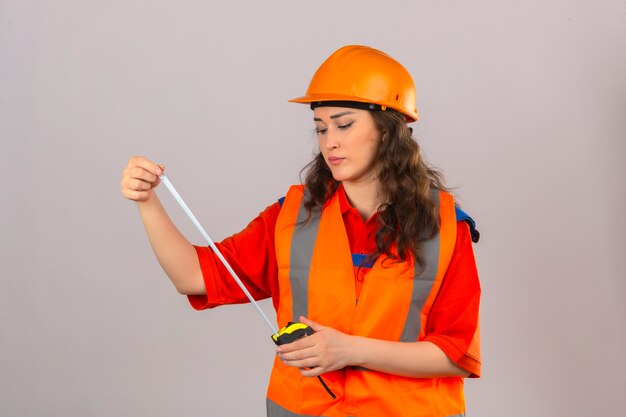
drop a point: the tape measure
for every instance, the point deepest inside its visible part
(292, 331)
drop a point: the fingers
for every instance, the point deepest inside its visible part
(302, 353)
(139, 178)
(325, 350)
(302, 343)
(312, 371)
(308, 363)
(143, 167)
(313, 325)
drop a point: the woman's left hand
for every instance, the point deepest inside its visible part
(324, 351)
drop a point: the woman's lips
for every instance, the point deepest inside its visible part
(334, 160)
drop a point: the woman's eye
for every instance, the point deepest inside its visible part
(320, 131)
(347, 125)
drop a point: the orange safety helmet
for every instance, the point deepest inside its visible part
(360, 74)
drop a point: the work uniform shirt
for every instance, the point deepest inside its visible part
(252, 254)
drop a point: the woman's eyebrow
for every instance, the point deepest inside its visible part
(334, 116)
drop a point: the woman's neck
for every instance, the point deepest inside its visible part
(364, 197)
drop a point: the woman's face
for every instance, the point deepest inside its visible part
(349, 140)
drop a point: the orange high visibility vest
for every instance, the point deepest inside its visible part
(316, 280)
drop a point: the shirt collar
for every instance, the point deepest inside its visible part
(346, 207)
(344, 204)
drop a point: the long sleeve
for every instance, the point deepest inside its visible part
(252, 255)
(454, 319)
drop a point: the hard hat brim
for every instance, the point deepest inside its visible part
(312, 98)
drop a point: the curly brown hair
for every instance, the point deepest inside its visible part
(408, 214)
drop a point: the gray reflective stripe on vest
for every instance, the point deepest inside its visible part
(275, 410)
(423, 284)
(300, 257)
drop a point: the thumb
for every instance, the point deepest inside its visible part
(313, 325)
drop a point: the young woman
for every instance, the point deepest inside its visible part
(371, 253)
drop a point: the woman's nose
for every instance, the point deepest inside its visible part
(331, 139)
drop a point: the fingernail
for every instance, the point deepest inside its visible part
(158, 171)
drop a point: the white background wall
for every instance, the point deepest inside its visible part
(523, 107)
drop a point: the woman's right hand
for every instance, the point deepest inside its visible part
(139, 178)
